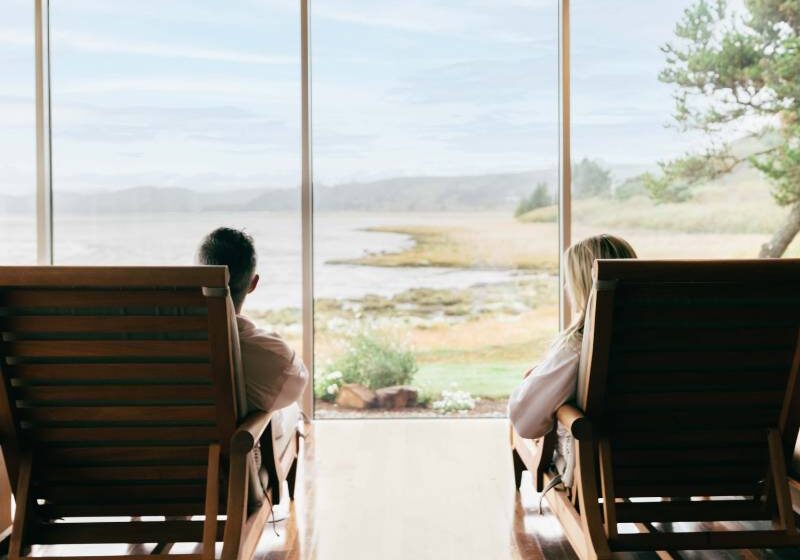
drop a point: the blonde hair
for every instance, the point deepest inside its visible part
(578, 262)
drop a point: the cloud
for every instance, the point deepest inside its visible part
(222, 125)
(97, 44)
(480, 82)
(241, 13)
(412, 17)
(16, 38)
(264, 91)
(508, 21)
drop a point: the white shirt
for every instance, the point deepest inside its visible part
(533, 404)
(274, 375)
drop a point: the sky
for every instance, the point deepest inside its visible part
(205, 94)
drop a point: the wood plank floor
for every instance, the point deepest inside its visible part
(418, 489)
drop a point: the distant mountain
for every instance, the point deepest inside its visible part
(475, 192)
(500, 191)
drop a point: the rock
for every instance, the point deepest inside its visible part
(355, 395)
(398, 396)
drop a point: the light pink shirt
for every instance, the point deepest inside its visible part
(274, 375)
(533, 404)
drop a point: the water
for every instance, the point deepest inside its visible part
(172, 238)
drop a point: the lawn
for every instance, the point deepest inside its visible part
(491, 380)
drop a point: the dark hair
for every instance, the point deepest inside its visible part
(234, 248)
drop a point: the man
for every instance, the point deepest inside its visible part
(274, 374)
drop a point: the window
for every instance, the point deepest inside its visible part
(701, 203)
(433, 122)
(17, 135)
(170, 120)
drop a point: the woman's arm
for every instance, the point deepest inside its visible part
(534, 402)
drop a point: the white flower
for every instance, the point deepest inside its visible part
(332, 389)
(454, 401)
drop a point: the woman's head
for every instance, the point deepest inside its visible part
(578, 262)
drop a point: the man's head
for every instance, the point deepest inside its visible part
(234, 248)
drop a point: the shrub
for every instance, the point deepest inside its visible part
(425, 397)
(376, 362)
(539, 198)
(630, 187)
(589, 178)
(678, 176)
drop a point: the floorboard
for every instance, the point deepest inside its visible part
(419, 489)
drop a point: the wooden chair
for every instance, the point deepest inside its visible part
(119, 399)
(687, 410)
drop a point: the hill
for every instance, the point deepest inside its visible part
(403, 194)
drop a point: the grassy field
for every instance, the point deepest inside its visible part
(493, 380)
(728, 218)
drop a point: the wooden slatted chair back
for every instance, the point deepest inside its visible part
(688, 366)
(115, 381)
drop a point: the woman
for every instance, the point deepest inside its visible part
(533, 404)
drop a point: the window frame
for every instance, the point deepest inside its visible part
(44, 180)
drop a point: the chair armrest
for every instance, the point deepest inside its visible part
(574, 421)
(249, 431)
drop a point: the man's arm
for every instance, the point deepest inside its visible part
(274, 374)
(296, 376)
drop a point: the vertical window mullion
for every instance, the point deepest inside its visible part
(307, 206)
(44, 175)
(565, 155)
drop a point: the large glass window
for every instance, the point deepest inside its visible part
(17, 134)
(434, 123)
(675, 178)
(171, 119)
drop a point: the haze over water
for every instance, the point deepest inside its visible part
(171, 239)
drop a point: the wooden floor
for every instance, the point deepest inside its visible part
(417, 489)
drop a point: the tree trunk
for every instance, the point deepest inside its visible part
(781, 239)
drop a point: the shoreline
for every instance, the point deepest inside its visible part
(445, 247)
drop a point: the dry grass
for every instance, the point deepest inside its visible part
(739, 203)
(498, 241)
(500, 338)
(485, 240)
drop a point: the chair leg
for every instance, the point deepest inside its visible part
(18, 542)
(591, 520)
(291, 478)
(519, 467)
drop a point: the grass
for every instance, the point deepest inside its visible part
(482, 349)
(739, 203)
(730, 217)
(489, 380)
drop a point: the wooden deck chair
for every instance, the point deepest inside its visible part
(119, 399)
(687, 411)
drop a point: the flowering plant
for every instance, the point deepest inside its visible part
(327, 385)
(454, 401)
